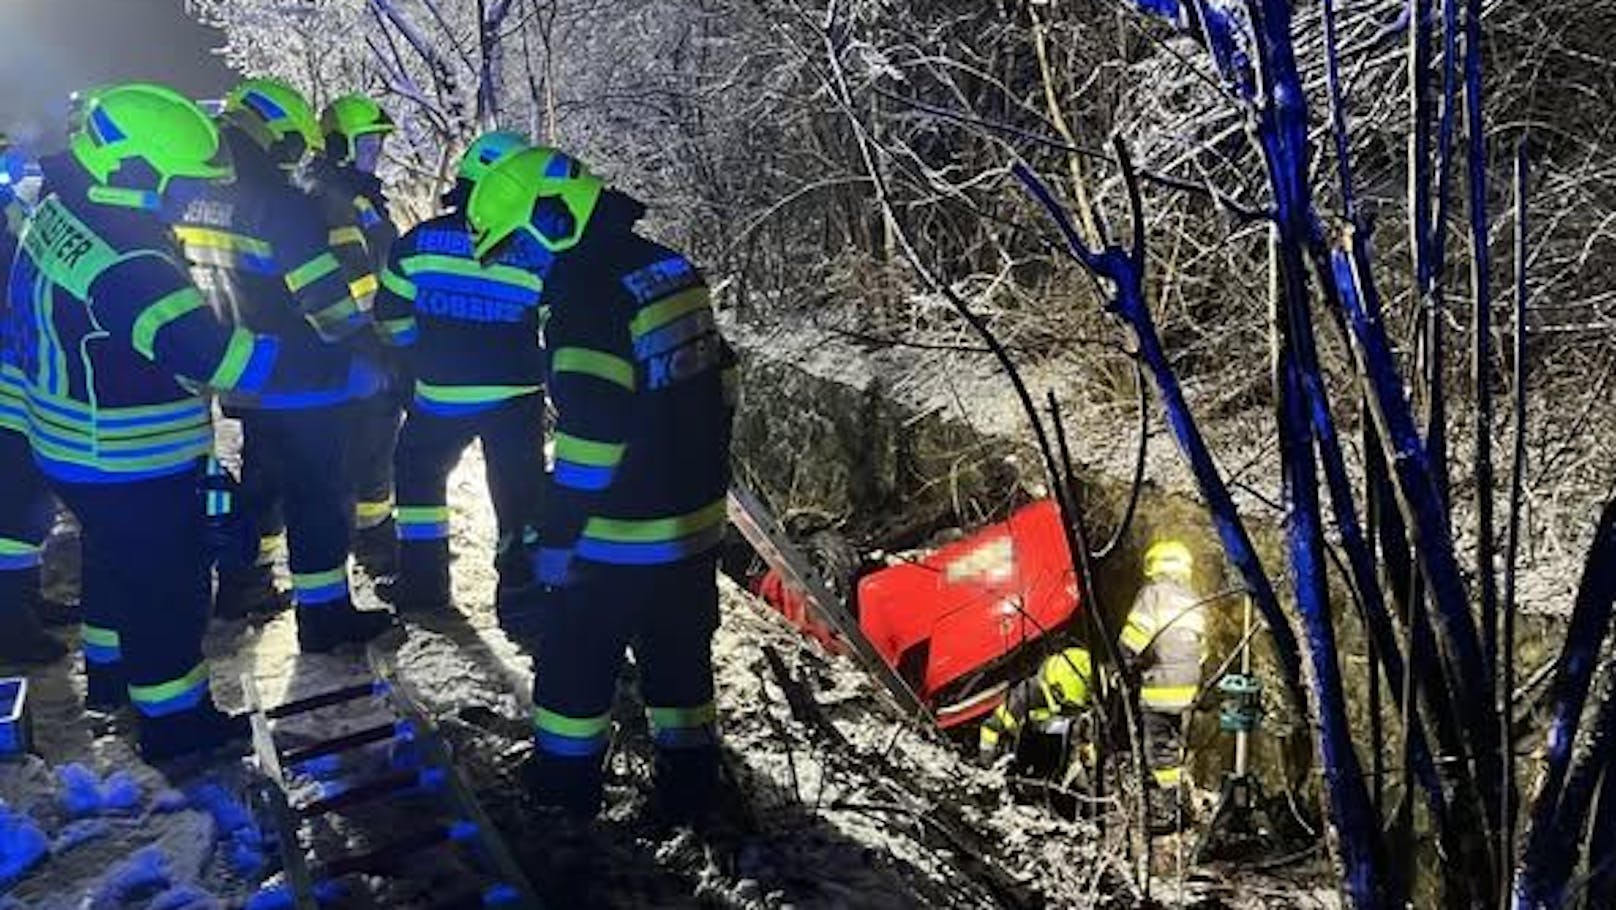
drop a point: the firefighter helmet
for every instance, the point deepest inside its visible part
(507, 200)
(488, 150)
(1067, 674)
(346, 119)
(277, 118)
(139, 137)
(1169, 558)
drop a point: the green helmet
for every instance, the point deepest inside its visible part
(276, 117)
(140, 137)
(348, 118)
(505, 200)
(488, 150)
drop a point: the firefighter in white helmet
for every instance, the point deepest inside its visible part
(1163, 640)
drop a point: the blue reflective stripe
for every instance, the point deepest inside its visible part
(649, 554)
(188, 410)
(680, 331)
(568, 746)
(687, 737)
(476, 287)
(70, 472)
(102, 654)
(322, 595)
(455, 409)
(588, 478)
(266, 349)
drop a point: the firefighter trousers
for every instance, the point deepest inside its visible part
(429, 447)
(145, 587)
(372, 439)
(26, 513)
(667, 615)
(1164, 746)
(293, 465)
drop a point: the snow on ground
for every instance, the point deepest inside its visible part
(837, 804)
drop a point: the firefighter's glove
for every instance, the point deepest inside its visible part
(552, 567)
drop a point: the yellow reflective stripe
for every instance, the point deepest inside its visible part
(152, 319)
(101, 638)
(422, 514)
(571, 727)
(373, 511)
(471, 394)
(588, 452)
(234, 362)
(1168, 777)
(1167, 696)
(616, 530)
(363, 287)
(682, 718)
(312, 271)
(398, 284)
(471, 268)
(223, 240)
(598, 364)
(336, 314)
(320, 579)
(170, 689)
(345, 236)
(987, 736)
(660, 314)
(1136, 639)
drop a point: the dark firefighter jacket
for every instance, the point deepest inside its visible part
(471, 328)
(643, 386)
(12, 220)
(111, 343)
(259, 253)
(360, 231)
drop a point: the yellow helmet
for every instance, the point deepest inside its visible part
(139, 137)
(277, 117)
(1068, 674)
(505, 199)
(1169, 558)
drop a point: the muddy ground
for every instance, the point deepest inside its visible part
(834, 803)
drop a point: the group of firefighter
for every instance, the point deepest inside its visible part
(1163, 642)
(171, 267)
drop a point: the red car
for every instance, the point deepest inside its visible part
(951, 622)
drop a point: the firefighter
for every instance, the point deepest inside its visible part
(1163, 642)
(1061, 690)
(259, 251)
(642, 385)
(343, 181)
(472, 331)
(113, 344)
(25, 506)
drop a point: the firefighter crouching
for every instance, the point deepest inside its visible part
(113, 345)
(260, 252)
(1047, 703)
(469, 332)
(342, 179)
(643, 390)
(1164, 641)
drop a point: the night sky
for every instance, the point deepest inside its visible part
(50, 48)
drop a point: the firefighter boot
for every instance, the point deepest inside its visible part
(200, 729)
(327, 627)
(422, 582)
(686, 783)
(23, 639)
(575, 786)
(375, 548)
(249, 592)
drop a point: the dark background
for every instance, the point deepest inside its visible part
(51, 48)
